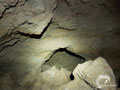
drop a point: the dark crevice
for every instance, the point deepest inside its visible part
(118, 83)
(35, 36)
(68, 52)
(103, 5)
(10, 6)
(12, 32)
(23, 34)
(9, 45)
(88, 83)
(66, 28)
(8, 36)
(7, 41)
(76, 55)
(93, 87)
(5, 36)
(55, 6)
(71, 76)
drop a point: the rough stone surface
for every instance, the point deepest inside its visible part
(96, 76)
(85, 78)
(70, 62)
(32, 31)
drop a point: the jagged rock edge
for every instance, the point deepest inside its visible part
(10, 6)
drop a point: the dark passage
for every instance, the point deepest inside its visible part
(71, 76)
(62, 58)
(68, 52)
(119, 83)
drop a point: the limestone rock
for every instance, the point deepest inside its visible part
(38, 13)
(51, 79)
(31, 31)
(55, 77)
(75, 85)
(97, 73)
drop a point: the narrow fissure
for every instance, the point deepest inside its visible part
(9, 45)
(68, 52)
(118, 83)
(88, 83)
(62, 58)
(71, 76)
(35, 36)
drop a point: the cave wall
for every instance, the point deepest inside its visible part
(31, 31)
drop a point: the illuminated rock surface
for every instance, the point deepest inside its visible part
(40, 37)
(91, 75)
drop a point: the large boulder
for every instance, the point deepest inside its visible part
(97, 74)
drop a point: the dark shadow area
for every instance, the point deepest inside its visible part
(118, 83)
(117, 4)
(68, 52)
(35, 36)
(75, 55)
(71, 76)
(62, 58)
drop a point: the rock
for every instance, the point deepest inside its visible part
(51, 78)
(37, 12)
(85, 1)
(28, 80)
(97, 73)
(6, 82)
(1, 9)
(55, 77)
(76, 84)
(70, 62)
(62, 18)
(32, 31)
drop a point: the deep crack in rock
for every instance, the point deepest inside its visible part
(10, 45)
(88, 82)
(35, 36)
(68, 52)
(10, 6)
(62, 58)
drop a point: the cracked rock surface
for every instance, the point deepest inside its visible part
(44, 42)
